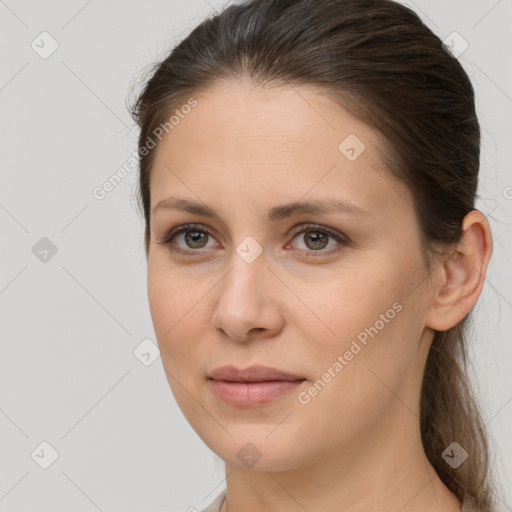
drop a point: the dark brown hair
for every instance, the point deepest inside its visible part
(377, 59)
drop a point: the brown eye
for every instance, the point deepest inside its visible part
(315, 239)
(196, 239)
(188, 239)
(191, 239)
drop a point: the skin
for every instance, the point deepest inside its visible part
(356, 445)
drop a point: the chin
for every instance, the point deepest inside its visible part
(253, 449)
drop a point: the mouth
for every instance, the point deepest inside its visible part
(254, 373)
(252, 387)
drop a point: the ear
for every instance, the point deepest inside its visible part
(462, 275)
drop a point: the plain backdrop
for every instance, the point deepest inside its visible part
(76, 392)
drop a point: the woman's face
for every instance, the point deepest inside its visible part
(341, 305)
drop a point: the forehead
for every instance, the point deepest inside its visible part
(282, 120)
(275, 143)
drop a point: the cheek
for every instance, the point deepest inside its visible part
(370, 324)
(352, 394)
(175, 307)
(178, 317)
(342, 309)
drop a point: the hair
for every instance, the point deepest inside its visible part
(378, 60)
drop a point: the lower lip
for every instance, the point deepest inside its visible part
(252, 394)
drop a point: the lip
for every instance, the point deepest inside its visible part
(254, 373)
(252, 387)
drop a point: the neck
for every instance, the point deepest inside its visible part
(382, 471)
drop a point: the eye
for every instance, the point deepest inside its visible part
(316, 238)
(195, 236)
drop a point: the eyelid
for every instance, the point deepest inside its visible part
(188, 227)
(342, 239)
(182, 228)
(311, 226)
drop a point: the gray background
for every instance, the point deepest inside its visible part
(69, 325)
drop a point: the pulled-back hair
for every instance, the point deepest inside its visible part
(379, 61)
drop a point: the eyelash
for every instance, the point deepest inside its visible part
(342, 240)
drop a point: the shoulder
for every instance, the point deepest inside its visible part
(215, 505)
(469, 505)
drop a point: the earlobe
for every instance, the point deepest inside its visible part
(461, 274)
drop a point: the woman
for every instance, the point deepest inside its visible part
(308, 172)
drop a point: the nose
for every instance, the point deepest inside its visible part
(247, 303)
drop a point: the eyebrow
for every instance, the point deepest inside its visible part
(274, 214)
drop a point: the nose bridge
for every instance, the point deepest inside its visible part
(248, 265)
(245, 299)
(245, 282)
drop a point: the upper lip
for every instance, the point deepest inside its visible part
(255, 373)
